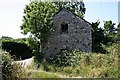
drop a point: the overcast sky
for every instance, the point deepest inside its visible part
(11, 12)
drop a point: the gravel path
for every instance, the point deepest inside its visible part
(26, 62)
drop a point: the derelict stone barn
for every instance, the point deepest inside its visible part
(71, 33)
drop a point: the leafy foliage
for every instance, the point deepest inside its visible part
(38, 19)
(98, 37)
(117, 37)
(76, 7)
(65, 58)
(17, 48)
(109, 28)
(118, 46)
(103, 36)
(110, 31)
(35, 46)
(10, 71)
(6, 38)
(7, 64)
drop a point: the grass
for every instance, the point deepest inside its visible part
(39, 74)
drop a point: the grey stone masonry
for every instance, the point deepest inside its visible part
(71, 33)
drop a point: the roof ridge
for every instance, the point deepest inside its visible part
(71, 13)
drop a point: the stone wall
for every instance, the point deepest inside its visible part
(78, 36)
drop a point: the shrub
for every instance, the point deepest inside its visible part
(77, 70)
(9, 69)
(113, 71)
(6, 65)
(38, 57)
(85, 59)
(65, 58)
(68, 70)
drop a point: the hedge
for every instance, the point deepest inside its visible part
(17, 49)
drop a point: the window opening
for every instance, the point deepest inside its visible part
(64, 27)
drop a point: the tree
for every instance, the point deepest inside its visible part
(109, 27)
(105, 35)
(97, 38)
(109, 31)
(117, 37)
(75, 6)
(38, 20)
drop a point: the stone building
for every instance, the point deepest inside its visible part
(71, 33)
